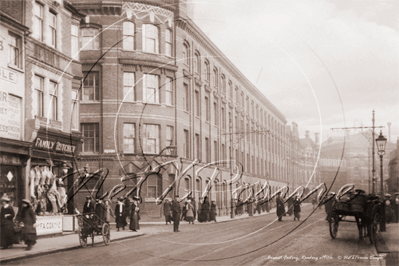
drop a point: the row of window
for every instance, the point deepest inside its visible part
(41, 20)
(150, 38)
(91, 88)
(50, 97)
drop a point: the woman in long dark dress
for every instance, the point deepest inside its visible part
(212, 213)
(167, 211)
(297, 209)
(134, 215)
(7, 224)
(280, 208)
(205, 210)
(28, 219)
(120, 214)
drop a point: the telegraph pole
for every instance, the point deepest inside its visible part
(371, 142)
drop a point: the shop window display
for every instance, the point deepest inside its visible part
(47, 191)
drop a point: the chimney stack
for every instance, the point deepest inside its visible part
(389, 131)
(307, 134)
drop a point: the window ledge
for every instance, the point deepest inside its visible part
(16, 68)
(90, 102)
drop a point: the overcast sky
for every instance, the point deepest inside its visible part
(322, 63)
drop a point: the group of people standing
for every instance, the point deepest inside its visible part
(189, 211)
(23, 227)
(294, 207)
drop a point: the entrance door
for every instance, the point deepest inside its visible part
(9, 182)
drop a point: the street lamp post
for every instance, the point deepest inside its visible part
(381, 144)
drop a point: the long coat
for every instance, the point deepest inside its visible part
(167, 211)
(28, 217)
(280, 207)
(120, 216)
(7, 226)
(134, 217)
(176, 210)
(212, 213)
(88, 207)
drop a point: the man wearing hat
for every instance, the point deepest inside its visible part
(176, 210)
(88, 205)
(120, 214)
(7, 224)
(280, 208)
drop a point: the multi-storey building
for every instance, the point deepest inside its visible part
(14, 149)
(43, 107)
(157, 89)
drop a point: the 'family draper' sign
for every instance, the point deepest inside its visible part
(53, 146)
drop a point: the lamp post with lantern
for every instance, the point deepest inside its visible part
(381, 142)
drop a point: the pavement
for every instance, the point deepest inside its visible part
(70, 241)
(387, 242)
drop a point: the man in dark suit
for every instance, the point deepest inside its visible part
(176, 210)
(280, 208)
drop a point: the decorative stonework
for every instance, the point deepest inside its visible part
(141, 11)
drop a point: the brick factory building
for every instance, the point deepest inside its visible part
(152, 80)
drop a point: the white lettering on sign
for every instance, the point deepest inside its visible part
(8, 75)
(48, 225)
(52, 145)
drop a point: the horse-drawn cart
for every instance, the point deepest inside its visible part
(365, 208)
(90, 224)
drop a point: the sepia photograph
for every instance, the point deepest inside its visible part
(197, 132)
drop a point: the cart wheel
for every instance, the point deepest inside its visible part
(333, 222)
(372, 228)
(106, 234)
(82, 237)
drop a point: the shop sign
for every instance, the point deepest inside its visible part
(8, 75)
(46, 225)
(54, 146)
(10, 116)
(7, 159)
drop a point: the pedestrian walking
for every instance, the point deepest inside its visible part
(167, 211)
(189, 212)
(296, 205)
(134, 215)
(395, 206)
(27, 219)
(212, 213)
(176, 210)
(195, 208)
(290, 206)
(280, 208)
(184, 211)
(120, 214)
(6, 223)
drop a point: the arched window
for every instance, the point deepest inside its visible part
(154, 186)
(223, 84)
(168, 42)
(186, 54)
(150, 39)
(187, 184)
(207, 70)
(128, 36)
(215, 77)
(197, 63)
(198, 187)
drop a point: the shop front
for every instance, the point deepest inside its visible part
(13, 158)
(50, 173)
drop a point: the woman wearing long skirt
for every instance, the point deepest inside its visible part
(297, 209)
(120, 214)
(212, 213)
(189, 212)
(134, 215)
(27, 217)
(7, 224)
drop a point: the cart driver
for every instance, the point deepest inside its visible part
(88, 206)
